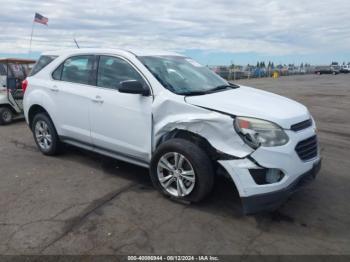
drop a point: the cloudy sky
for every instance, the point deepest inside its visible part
(213, 32)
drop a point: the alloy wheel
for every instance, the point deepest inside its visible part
(176, 174)
(43, 135)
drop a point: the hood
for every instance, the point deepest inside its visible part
(251, 102)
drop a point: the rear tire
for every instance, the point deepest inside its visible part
(194, 175)
(6, 116)
(45, 135)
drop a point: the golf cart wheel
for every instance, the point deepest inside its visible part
(45, 135)
(182, 170)
(6, 115)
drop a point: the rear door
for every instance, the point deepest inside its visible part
(120, 123)
(72, 92)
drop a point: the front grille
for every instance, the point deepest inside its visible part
(302, 125)
(307, 149)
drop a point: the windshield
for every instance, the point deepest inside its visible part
(184, 76)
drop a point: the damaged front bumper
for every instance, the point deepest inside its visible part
(273, 200)
(269, 196)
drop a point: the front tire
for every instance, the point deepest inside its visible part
(182, 170)
(6, 116)
(45, 135)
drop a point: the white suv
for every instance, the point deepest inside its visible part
(176, 117)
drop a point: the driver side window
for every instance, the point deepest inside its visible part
(112, 71)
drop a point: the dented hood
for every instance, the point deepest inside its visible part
(251, 102)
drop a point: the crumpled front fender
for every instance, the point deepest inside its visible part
(216, 128)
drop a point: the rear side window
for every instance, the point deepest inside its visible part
(43, 61)
(57, 73)
(78, 69)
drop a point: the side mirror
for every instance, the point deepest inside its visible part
(11, 83)
(133, 87)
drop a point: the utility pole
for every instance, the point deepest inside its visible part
(30, 43)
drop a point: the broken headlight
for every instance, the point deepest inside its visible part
(256, 132)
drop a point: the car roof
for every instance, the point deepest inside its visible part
(112, 51)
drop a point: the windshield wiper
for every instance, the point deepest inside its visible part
(213, 90)
(222, 87)
(193, 93)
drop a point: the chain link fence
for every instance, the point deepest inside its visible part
(239, 72)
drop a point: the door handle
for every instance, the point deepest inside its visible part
(54, 89)
(98, 100)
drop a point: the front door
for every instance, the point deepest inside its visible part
(120, 123)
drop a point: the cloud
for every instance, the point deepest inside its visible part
(266, 27)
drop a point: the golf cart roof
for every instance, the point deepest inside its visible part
(17, 60)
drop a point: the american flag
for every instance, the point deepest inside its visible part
(40, 19)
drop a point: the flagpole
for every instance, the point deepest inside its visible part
(31, 37)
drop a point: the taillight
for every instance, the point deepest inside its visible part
(24, 85)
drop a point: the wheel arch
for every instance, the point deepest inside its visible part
(204, 144)
(197, 139)
(33, 110)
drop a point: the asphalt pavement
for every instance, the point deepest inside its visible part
(84, 203)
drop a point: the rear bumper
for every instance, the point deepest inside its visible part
(272, 200)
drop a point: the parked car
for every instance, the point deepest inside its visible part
(320, 70)
(168, 113)
(12, 72)
(345, 69)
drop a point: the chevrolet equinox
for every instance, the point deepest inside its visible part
(168, 113)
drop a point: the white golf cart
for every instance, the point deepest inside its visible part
(12, 72)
